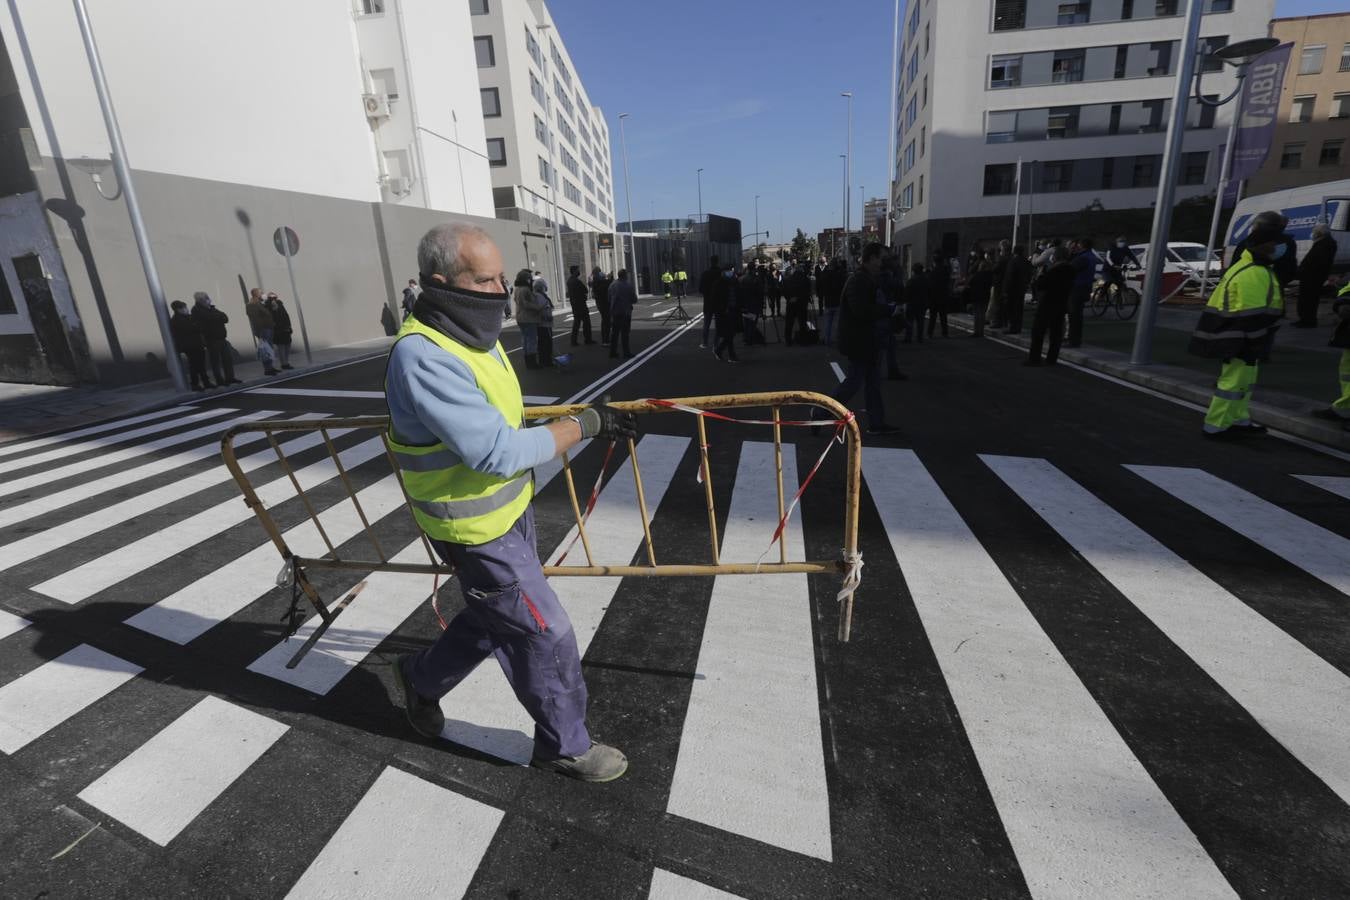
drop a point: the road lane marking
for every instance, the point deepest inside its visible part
(838, 372)
(1083, 815)
(35, 703)
(669, 886)
(50, 456)
(607, 381)
(172, 778)
(406, 838)
(1292, 692)
(198, 607)
(1323, 554)
(66, 533)
(35, 443)
(318, 392)
(82, 582)
(11, 624)
(1338, 486)
(751, 757)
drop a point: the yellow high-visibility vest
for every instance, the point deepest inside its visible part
(451, 501)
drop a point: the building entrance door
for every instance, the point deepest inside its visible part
(48, 328)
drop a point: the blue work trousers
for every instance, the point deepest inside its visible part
(512, 613)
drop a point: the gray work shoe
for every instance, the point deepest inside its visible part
(598, 764)
(424, 714)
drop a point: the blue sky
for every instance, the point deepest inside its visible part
(748, 90)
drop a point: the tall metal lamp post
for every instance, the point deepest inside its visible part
(628, 196)
(699, 173)
(848, 166)
(1240, 56)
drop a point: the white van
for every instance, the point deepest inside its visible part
(1305, 207)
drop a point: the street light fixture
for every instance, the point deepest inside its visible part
(628, 195)
(1240, 55)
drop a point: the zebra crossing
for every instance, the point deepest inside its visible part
(757, 763)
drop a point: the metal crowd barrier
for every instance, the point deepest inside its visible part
(840, 420)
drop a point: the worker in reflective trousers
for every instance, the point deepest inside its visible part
(1339, 411)
(1238, 326)
(457, 434)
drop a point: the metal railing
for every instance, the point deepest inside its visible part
(845, 431)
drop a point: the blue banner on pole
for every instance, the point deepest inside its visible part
(1258, 108)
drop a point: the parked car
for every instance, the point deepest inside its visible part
(1183, 258)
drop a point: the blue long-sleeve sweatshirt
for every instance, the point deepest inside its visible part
(433, 396)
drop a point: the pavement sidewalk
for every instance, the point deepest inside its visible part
(30, 410)
(1301, 376)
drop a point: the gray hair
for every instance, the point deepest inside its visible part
(201, 297)
(438, 251)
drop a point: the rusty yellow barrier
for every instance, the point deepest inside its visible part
(847, 566)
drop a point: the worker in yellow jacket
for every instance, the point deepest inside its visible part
(667, 279)
(1238, 326)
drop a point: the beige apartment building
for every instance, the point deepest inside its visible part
(1310, 143)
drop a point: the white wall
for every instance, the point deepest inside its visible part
(259, 92)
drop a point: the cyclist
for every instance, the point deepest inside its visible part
(1116, 259)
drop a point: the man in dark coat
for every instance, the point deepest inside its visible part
(187, 340)
(939, 293)
(1084, 262)
(281, 329)
(917, 291)
(581, 313)
(212, 322)
(600, 294)
(1054, 287)
(728, 310)
(707, 286)
(798, 291)
(1313, 272)
(1015, 282)
(863, 329)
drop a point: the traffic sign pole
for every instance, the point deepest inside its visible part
(288, 242)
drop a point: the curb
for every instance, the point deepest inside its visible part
(1281, 412)
(193, 396)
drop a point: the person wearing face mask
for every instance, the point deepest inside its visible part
(1239, 325)
(1286, 262)
(458, 436)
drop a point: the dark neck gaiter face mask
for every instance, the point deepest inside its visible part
(470, 317)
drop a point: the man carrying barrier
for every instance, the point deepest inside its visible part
(455, 433)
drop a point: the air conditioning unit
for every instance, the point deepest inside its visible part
(377, 105)
(398, 185)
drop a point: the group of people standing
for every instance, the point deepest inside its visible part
(201, 337)
(532, 306)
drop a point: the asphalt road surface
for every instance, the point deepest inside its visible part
(1093, 656)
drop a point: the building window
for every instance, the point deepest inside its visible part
(545, 171)
(1067, 66)
(913, 24)
(1005, 72)
(1145, 172)
(571, 192)
(999, 179)
(541, 131)
(537, 90)
(478, 7)
(1108, 173)
(384, 82)
(532, 46)
(920, 188)
(1340, 106)
(927, 41)
(1165, 8)
(370, 7)
(1154, 109)
(1122, 61)
(1301, 110)
(923, 139)
(907, 197)
(1345, 59)
(1209, 62)
(1207, 112)
(1162, 58)
(1074, 13)
(1001, 127)
(925, 92)
(482, 48)
(1056, 177)
(913, 70)
(1193, 166)
(1062, 123)
(1010, 15)
(1126, 10)
(1220, 6)
(1331, 153)
(1310, 62)
(909, 159)
(911, 111)
(496, 151)
(492, 102)
(1292, 156)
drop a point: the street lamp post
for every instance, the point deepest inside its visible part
(1240, 56)
(700, 194)
(848, 167)
(1167, 189)
(123, 170)
(757, 221)
(890, 126)
(844, 233)
(628, 195)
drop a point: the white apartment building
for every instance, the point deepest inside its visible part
(1080, 92)
(543, 132)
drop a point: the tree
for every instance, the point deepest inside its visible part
(803, 247)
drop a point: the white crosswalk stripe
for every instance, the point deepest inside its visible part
(102, 428)
(172, 778)
(35, 703)
(1318, 552)
(751, 759)
(1082, 808)
(50, 456)
(406, 838)
(1083, 815)
(1288, 689)
(84, 581)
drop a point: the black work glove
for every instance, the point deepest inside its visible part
(604, 421)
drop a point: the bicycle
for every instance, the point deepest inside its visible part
(1124, 299)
